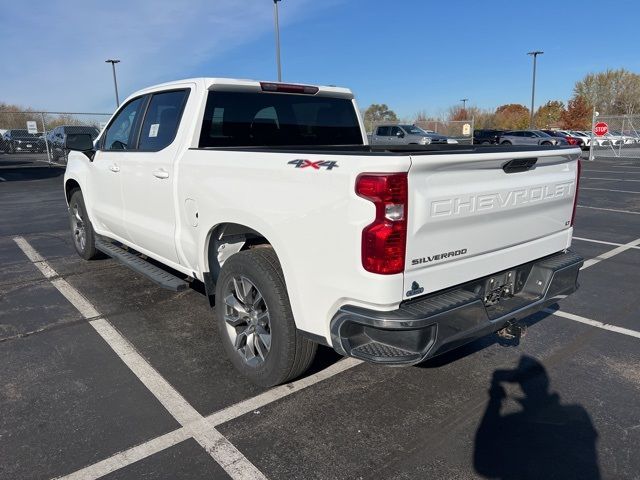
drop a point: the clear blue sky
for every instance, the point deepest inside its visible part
(412, 55)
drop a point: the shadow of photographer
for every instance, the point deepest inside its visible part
(543, 440)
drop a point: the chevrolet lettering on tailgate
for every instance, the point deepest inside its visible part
(468, 204)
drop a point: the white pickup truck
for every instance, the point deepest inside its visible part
(303, 234)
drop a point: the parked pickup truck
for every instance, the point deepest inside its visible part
(407, 135)
(303, 234)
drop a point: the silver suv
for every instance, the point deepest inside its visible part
(527, 137)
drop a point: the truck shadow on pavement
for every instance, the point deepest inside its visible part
(542, 439)
(28, 173)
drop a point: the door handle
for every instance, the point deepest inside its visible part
(161, 173)
(114, 168)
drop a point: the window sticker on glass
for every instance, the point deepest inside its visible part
(153, 131)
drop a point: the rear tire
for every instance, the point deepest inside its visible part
(255, 321)
(546, 144)
(82, 232)
(506, 142)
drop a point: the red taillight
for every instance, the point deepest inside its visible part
(575, 196)
(288, 88)
(384, 241)
(571, 140)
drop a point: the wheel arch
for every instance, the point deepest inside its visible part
(224, 240)
(69, 186)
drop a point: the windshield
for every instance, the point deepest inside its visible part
(242, 119)
(413, 130)
(540, 133)
(22, 134)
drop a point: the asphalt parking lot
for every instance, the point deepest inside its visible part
(104, 374)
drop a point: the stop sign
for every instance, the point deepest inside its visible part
(601, 129)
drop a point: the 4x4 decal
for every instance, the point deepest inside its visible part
(302, 163)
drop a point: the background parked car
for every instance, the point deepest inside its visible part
(622, 137)
(635, 135)
(18, 141)
(597, 141)
(585, 137)
(570, 139)
(486, 136)
(529, 137)
(406, 135)
(57, 136)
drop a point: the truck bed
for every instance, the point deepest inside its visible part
(394, 149)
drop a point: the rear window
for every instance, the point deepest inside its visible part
(22, 134)
(242, 119)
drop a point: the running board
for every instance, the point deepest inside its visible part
(134, 262)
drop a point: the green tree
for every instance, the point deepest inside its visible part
(512, 116)
(577, 116)
(612, 92)
(377, 113)
(549, 114)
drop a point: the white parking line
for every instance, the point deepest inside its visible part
(155, 445)
(610, 179)
(614, 244)
(610, 253)
(594, 323)
(259, 401)
(608, 190)
(609, 209)
(223, 452)
(127, 457)
(194, 425)
(584, 170)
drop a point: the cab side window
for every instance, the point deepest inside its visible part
(383, 131)
(119, 135)
(162, 119)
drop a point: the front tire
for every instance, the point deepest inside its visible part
(82, 231)
(506, 142)
(255, 321)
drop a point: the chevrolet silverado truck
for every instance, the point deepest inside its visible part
(301, 233)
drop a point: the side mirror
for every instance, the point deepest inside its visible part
(400, 134)
(80, 142)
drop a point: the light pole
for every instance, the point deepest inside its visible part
(115, 82)
(464, 103)
(275, 17)
(534, 54)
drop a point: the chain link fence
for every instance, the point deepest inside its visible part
(621, 140)
(40, 136)
(459, 130)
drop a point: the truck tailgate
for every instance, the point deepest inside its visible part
(469, 215)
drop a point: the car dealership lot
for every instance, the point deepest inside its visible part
(104, 373)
